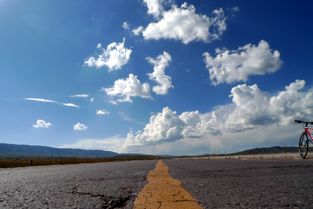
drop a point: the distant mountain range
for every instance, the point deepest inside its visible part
(13, 150)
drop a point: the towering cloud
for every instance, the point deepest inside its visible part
(250, 108)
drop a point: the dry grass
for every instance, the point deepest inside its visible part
(36, 161)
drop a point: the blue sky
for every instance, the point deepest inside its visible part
(53, 79)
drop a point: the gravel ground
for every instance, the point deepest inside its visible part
(247, 183)
(98, 185)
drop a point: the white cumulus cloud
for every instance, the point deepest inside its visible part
(183, 23)
(226, 143)
(124, 89)
(158, 75)
(42, 124)
(155, 7)
(251, 108)
(162, 126)
(113, 57)
(102, 112)
(79, 127)
(125, 25)
(137, 31)
(237, 65)
(293, 102)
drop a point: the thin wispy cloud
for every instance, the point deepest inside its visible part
(79, 96)
(126, 117)
(40, 100)
(70, 105)
(113, 143)
(85, 97)
(51, 101)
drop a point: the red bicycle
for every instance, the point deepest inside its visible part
(305, 138)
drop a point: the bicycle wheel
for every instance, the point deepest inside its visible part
(303, 145)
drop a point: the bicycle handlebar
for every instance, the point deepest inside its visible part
(301, 121)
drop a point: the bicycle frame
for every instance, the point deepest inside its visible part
(307, 131)
(304, 141)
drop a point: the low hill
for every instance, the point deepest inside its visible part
(255, 151)
(13, 150)
(267, 150)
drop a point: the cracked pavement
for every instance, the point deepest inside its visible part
(246, 183)
(213, 183)
(97, 185)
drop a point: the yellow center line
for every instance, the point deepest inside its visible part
(164, 192)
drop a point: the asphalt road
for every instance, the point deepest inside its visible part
(85, 186)
(214, 183)
(247, 184)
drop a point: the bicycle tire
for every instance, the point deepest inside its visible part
(303, 145)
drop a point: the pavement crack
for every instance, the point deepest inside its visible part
(116, 202)
(109, 202)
